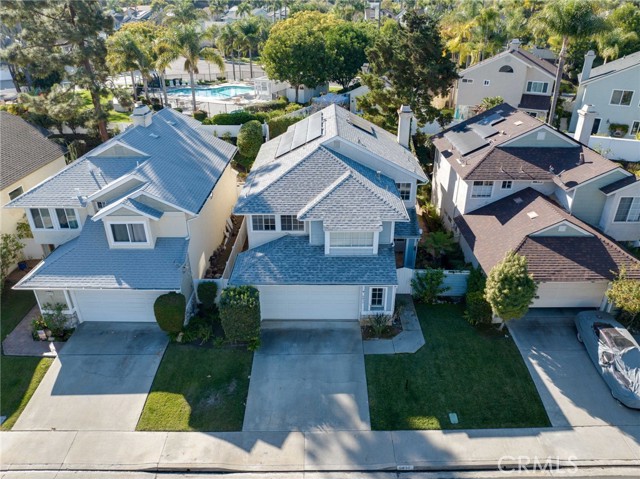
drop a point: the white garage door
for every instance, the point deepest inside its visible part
(106, 305)
(310, 302)
(570, 295)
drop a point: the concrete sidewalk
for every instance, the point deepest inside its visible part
(599, 446)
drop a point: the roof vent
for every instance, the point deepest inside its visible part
(153, 135)
(552, 170)
(517, 200)
(532, 214)
(581, 158)
(518, 123)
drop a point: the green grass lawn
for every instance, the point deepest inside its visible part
(20, 378)
(112, 115)
(479, 375)
(15, 305)
(198, 389)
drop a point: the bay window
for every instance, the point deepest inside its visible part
(41, 218)
(67, 218)
(351, 239)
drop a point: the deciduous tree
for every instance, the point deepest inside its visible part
(510, 288)
(625, 293)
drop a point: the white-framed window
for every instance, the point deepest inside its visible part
(263, 222)
(628, 210)
(129, 233)
(486, 82)
(41, 218)
(351, 239)
(405, 191)
(467, 80)
(539, 87)
(635, 127)
(291, 223)
(376, 299)
(621, 97)
(481, 189)
(67, 218)
(15, 193)
(100, 205)
(507, 185)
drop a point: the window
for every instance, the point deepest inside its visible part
(635, 126)
(263, 222)
(41, 218)
(506, 69)
(628, 210)
(537, 87)
(291, 223)
(507, 185)
(100, 205)
(481, 189)
(467, 80)
(67, 218)
(405, 191)
(128, 233)
(352, 239)
(486, 83)
(15, 193)
(621, 97)
(377, 299)
(596, 126)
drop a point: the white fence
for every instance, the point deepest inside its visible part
(233, 130)
(455, 280)
(616, 148)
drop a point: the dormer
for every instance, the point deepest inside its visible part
(114, 190)
(127, 223)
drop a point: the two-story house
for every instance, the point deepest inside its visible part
(330, 206)
(614, 91)
(135, 218)
(522, 79)
(27, 157)
(504, 180)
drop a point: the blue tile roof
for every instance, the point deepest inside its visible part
(87, 263)
(142, 208)
(292, 260)
(408, 229)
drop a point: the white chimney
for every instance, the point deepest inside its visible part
(588, 64)
(405, 117)
(586, 117)
(514, 44)
(141, 115)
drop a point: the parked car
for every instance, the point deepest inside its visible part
(614, 352)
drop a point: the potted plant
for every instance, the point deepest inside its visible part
(618, 130)
(22, 262)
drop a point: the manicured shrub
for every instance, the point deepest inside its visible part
(170, 310)
(510, 288)
(476, 280)
(233, 118)
(240, 313)
(427, 286)
(207, 294)
(250, 139)
(477, 310)
(268, 106)
(200, 115)
(278, 125)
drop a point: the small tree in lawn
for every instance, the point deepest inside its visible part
(11, 249)
(625, 293)
(250, 139)
(510, 288)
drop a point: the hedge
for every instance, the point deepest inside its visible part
(240, 313)
(278, 125)
(169, 310)
(268, 106)
(207, 294)
(235, 118)
(200, 115)
(250, 139)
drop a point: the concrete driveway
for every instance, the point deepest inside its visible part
(572, 391)
(99, 381)
(308, 376)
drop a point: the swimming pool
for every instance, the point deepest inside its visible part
(214, 92)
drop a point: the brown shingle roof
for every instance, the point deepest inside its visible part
(508, 224)
(534, 60)
(23, 149)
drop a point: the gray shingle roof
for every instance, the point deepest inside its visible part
(292, 260)
(24, 148)
(142, 208)
(408, 229)
(182, 166)
(87, 262)
(608, 68)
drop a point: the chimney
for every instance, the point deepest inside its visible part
(405, 117)
(588, 63)
(141, 115)
(586, 117)
(514, 44)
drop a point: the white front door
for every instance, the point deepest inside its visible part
(116, 305)
(310, 302)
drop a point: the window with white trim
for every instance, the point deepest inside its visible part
(41, 218)
(507, 185)
(486, 83)
(621, 97)
(15, 193)
(100, 205)
(351, 239)
(539, 87)
(376, 301)
(128, 233)
(628, 210)
(263, 222)
(635, 127)
(481, 189)
(405, 191)
(67, 218)
(291, 223)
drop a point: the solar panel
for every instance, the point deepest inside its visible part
(300, 134)
(315, 127)
(285, 143)
(360, 123)
(485, 131)
(466, 141)
(492, 119)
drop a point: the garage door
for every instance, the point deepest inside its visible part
(105, 305)
(570, 295)
(310, 302)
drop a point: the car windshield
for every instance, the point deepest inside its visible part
(612, 337)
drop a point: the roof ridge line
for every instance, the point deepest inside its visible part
(365, 182)
(324, 193)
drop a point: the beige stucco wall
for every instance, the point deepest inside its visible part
(207, 230)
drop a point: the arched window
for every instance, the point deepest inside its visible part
(506, 69)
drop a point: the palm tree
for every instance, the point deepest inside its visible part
(571, 20)
(187, 39)
(244, 9)
(218, 7)
(165, 53)
(439, 243)
(182, 12)
(226, 42)
(252, 32)
(123, 54)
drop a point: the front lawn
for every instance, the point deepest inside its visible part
(198, 389)
(112, 115)
(478, 374)
(20, 378)
(15, 305)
